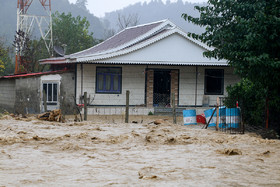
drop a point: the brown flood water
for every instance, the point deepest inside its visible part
(39, 153)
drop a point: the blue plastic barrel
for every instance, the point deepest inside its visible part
(232, 117)
(208, 114)
(222, 117)
(189, 117)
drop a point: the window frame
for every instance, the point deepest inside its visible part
(111, 74)
(206, 92)
(51, 101)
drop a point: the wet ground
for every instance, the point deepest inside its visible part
(104, 153)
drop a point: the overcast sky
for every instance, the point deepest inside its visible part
(99, 7)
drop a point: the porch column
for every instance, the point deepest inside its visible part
(150, 88)
(174, 85)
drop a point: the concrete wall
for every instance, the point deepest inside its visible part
(67, 93)
(27, 95)
(7, 94)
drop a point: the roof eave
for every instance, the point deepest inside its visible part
(178, 63)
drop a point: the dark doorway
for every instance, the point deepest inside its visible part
(162, 79)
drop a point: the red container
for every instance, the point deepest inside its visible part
(201, 118)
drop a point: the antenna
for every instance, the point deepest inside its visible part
(25, 24)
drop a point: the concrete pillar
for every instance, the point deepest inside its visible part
(175, 85)
(150, 88)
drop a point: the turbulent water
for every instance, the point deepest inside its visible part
(39, 153)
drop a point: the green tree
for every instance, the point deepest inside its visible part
(6, 66)
(246, 33)
(72, 31)
(82, 4)
(2, 67)
(2, 64)
(35, 51)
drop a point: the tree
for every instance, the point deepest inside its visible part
(82, 4)
(246, 33)
(35, 51)
(72, 31)
(6, 66)
(127, 21)
(2, 67)
(109, 33)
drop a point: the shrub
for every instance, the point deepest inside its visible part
(251, 99)
(150, 113)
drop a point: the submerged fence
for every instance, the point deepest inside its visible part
(225, 119)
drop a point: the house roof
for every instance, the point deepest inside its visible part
(33, 74)
(129, 41)
(123, 37)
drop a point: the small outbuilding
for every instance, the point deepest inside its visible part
(23, 94)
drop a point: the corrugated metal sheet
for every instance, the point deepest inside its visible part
(119, 39)
(159, 63)
(32, 74)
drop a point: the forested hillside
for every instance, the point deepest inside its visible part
(146, 12)
(157, 10)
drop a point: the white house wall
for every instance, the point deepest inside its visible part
(133, 79)
(187, 85)
(174, 48)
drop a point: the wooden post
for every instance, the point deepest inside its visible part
(241, 122)
(85, 106)
(45, 101)
(196, 76)
(210, 118)
(127, 107)
(217, 118)
(267, 112)
(174, 108)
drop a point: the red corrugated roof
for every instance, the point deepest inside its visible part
(32, 74)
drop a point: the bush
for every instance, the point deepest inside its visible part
(252, 101)
(150, 113)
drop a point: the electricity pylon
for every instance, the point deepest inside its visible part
(25, 24)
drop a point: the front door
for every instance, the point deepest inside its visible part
(162, 79)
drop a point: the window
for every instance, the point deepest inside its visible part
(214, 82)
(51, 93)
(108, 80)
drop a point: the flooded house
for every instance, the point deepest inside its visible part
(154, 61)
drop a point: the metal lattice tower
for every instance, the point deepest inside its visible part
(26, 22)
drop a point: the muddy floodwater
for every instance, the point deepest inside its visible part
(40, 153)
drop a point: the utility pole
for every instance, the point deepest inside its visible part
(25, 24)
